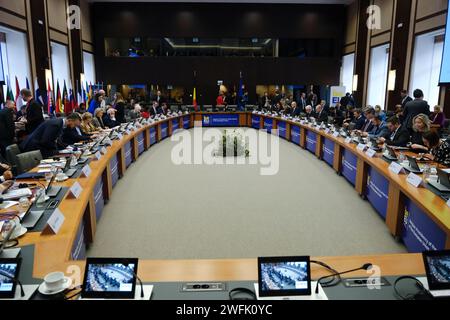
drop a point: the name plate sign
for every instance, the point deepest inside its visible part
(414, 180)
(395, 168)
(76, 190)
(86, 171)
(55, 222)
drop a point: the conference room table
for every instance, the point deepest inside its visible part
(416, 216)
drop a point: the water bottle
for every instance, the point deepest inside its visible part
(426, 172)
(40, 197)
(401, 157)
(7, 226)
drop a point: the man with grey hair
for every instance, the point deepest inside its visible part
(309, 112)
(33, 112)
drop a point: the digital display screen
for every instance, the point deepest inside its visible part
(8, 272)
(284, 276)
(110, 278)
(445, 67)
(439, 269)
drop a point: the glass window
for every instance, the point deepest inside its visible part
(378, 71)
(89, 67)
(426, 65)
(14, 58)
(347, 71)
(60, 66)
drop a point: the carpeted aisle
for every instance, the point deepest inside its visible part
(163, 211)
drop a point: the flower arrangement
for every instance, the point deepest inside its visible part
(232, 144)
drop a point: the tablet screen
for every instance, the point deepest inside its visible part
(110, 278)
(9, 272)
(437, 265)
(284, 276)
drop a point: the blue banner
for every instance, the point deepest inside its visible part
(78, 251)
(268, 124)
(98, 198)
(220, 120)
(328, 151)
(349, 166)
(295, 134)
(114, 164)
(175, 124)
(186, 122)
(377, 191)
(164, 130)
(420, 233)
(256, 122)
(128, 156)
(282, 129)
(311, 141)
(152, 135)
(141, 145)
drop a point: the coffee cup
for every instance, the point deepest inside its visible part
(55, 281)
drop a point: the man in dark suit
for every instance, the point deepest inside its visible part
(369, 115)
(399, 134)
(414, 108)
(33, 111)
(405, 98)
(302, 103)
(309, 112)
(296, 110)
(321, 114)
(264, 101)
(159, 98)
(154, 109)
(7, 127)
(358, 119)
(74, 135)
(45, 137)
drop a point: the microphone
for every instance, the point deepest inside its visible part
(366, 266)
(22, 293)
(139, 279)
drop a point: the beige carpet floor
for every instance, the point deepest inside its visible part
(163, 211)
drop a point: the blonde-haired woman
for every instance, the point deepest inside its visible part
(421, 124)
(86, 123)
(98, 119)
(120, 108)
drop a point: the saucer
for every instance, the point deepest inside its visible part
(63, 179)
(45, 291)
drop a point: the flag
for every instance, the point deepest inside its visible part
(9, 93)
(65, 100)
(72, 101)
(28, 84)
(18, 100)
(240, 94)
(194, 94)
(38, 92)
(58, 104)
(2, 99)
(90, 95)
(50, 109)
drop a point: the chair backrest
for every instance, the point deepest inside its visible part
(28, 160)
(11, 156)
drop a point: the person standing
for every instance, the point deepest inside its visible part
(120, 108)
(7, 127)
(414, 108)
(405, 98)
(33, 111)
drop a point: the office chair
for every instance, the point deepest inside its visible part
(28, 160)
(11, 156)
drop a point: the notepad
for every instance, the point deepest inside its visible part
(17, 194)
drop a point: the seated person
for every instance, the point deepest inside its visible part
(380, 112)
(309, 113)
(276, 107)
(438, 117)
(295, 112)
(46, 136)
(145, 113)
(421, 124)
(97, 121)
(358, 120)
(109, 119)
(285, 108)
(399, 135)
(336, 114)
(165, 108)
(5, 186)
(379, 130)
(348, 115)
(135, 113)
(321, 115)
(5, 172)
(74, 135)
(155, 109)
(439, 149)
(87, 125)
(369, 114)
(399, 113)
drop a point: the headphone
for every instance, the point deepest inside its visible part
(423, 293)
(251, 295)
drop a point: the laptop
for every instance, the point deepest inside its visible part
(8, 253)
(412, 165)
(390, 154)
(52, 191)
(31, 218)
(9, 274)
(443, 183)
(437, 267)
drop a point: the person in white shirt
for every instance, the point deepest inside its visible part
(5, 173)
